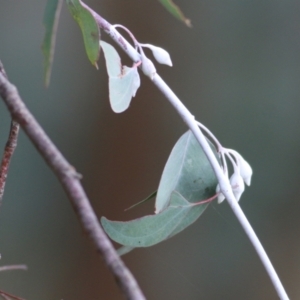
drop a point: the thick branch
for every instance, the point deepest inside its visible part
(69, 179)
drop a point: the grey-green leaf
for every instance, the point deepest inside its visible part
(124, 250)
(187, 171)
(89, 29)
(51, 17)
(151, 196)
(175, 11)
(187, 178)
(153, 229)
(123, 81)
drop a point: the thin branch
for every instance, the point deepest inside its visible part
(190, 121)
(69, 179)
(13, 268)
(5, 297)
(9, 296)
(8, 153)
(9, 150)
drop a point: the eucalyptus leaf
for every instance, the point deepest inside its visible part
(150, 230)
(187, 178)
(175, 11)
(123, 81)
(124, 250)
(187, 171)
(51, 17)
(89, 29)
(112, 59)
(151, 196)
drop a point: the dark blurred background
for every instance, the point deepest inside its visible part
(237, 70)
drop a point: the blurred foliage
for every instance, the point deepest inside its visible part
(175, 11)
(51, 17)
(237, 70)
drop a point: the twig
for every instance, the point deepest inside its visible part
(189, 119)
(8, 153)
(69, 179)
(9, 296)
(13, 267)
(8, 150)
(5, 297)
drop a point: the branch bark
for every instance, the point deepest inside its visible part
(6, 295)
(70, 181)
(9, 149)
(8, 153)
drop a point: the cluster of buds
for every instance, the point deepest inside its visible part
(147, 66)
(242, 171)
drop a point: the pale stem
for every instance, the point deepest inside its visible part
(224, 163)
(216, 141)
(190, 121)
(233, 162)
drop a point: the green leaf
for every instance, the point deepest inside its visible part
(150, 230)
(89, 29)
(152, 195)
(187, 171)
(123, 81)
(187, 178)
(175, 11)
(124, 250)
(51, 17)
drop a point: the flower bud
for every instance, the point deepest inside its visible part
(237, 184)
(244, 167)
(148, 66)
(161, 55)
(221, 197)
(245, 170)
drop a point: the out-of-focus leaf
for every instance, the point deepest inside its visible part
(187, 171)
(89, 29)
(150, 230)
(152, 195)
(51, 17)
(175, 11)
(123, 81)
